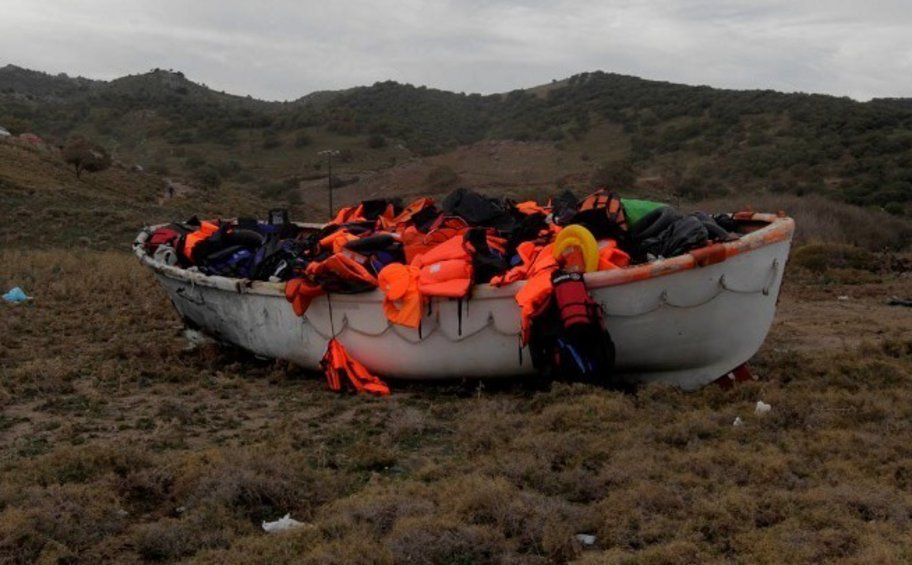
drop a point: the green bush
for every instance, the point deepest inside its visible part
(819, 257)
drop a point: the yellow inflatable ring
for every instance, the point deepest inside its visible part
(581, 237)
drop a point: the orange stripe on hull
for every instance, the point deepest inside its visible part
(779, 229)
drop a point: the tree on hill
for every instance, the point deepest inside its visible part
(86, 155)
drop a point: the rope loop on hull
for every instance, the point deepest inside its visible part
(722, 286)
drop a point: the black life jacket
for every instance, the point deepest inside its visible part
(486, 262)
(378, 251)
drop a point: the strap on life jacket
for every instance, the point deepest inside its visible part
(598, 199)
(342, 370)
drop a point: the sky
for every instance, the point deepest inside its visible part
(282, 50)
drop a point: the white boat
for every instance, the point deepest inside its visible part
(685, 321)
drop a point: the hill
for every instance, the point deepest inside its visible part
(34, 84)
(45, 206)
(693, 142)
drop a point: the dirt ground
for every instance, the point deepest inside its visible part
(121, 442)
(833, 318)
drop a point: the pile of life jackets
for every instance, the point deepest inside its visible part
(421, 250)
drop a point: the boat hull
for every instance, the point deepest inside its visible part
(672, 321)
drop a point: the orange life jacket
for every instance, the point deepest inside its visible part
(205, 231)
(611, 256)
(347, 214)
(530, 207)
(406, 215)
(341, 369)
(534, 297)
(336, 241)
(415, 243)
(402, 302)
(356, 214)
(445, 270)
(412, 243)
(301, 293)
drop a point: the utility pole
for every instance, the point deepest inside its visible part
(330, 153)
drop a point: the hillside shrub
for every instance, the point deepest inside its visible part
(376, 141)
(86, 155)
(821, 220)
(302, 139)
(819, 257)
(208, 176)
(614, 174)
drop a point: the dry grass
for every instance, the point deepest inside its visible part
(820, 219)
(43, 205)
(118, 444)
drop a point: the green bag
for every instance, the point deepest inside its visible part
(634, 210)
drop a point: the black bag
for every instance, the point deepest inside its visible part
(280, 258)
(379, 250)
(527, 229)
(479, 210)
(713, 229)
(676, 239)
(226, 237)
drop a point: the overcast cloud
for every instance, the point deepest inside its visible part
(280, 50)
